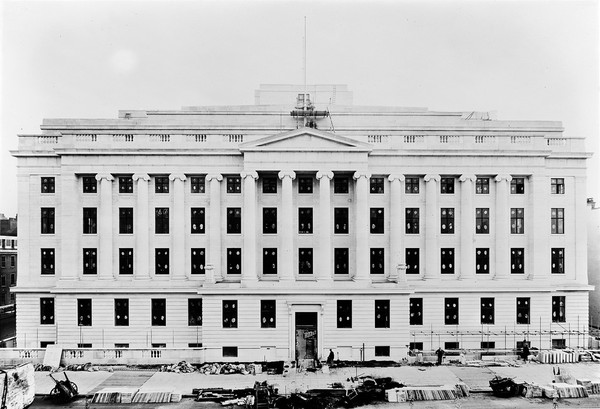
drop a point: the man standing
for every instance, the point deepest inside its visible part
(525, 353)
(440, 354)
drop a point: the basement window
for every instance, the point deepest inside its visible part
(382, 351)
(230, 352)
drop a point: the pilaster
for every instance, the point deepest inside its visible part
(287, 239)
(324, 251)
(178, 233)
(397, 253)
(502, 227)
(249, 227)
(140, 229)
(467, 227)
(214, 224)
(432, 252)
(362, 226)
(105, 227)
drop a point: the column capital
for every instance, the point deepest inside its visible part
(360, 174)
(434, 178)
(324, 174)
(467, 177)
(287, 173)
(249, 174)
(216, 176)
(141, 176)
(106, 176)
(500, 178)
(397, 177)
(179, 176)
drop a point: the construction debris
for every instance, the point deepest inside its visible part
(17, 387)
(181, 367)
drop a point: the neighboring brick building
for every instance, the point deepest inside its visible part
(8, 268)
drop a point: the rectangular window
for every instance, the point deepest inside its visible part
(340, 220)
(234, 220)
(234, 184)
(159, 312)
(198, 257)
(161, 261)
(84, 312)
(125, 184)
(230, 352)
(559, 343)
(13, 261)
(412, 261)
(269, 184)
(557, 186)
(382, 313)
(305, 184)
(447, 220)
(89, 220)
(13, 280)
(412, 220)
(194, 312)
(305, 220)
(230, 314)
(340, 184)
(558, 309)
(341, 261)
(46, 311)
(47, 184)
(482, 186)
(377, 261)
(411, 185)
(558, 260)
(234, 261)
(382, 350)
(197, 220)
(416, 311)
(126, 220)
(121, 312)
(376, 185)
(344, 314)
(557, 216)
(47, 220)
(161, 220)
(447, 260)
(517, 261)
(90, 184)
(482, 260)
(523, 305)
(197, 184)
(89, 261)
(415, 346)
(447, 186)
(269, 220)
(517, 186)
(161, 184)
(47, 261)
(482, 220)
(487, 311)
(267, 314)
(451, 311)
(269, 261)
(451, 345)
(488, 344)
(3, 261)
(121, 346)
(126, 261)
(517, 220)
(377, 220)
(305, 261)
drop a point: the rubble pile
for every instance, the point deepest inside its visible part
(244, 369)
(181, 367)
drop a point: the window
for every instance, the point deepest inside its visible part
(126, 220)
(411, 185)
(415, 346)
(488, 344)
(267, 314)
(198, 260)
(482, 260)
(416, 311)
(305, 220)
(377, 261)
(559, 343)
(84, 345)
(482, 186)
(447, 220)
(376, 185)
(90, 184)
(234, 184)
(47, 184)
(161, 184)
(487, 311)
(447, 186)
(447, 260)
(557, 186)
(269, 220)
(305, 261)
(523, 310)
(230, 314)
(558, 309)
(47, 220)
(126, 261)
(197, 184)
(46, 311)
(341, 261)
(558, 260)
(517, 220)
(89, 261)
(121, 312)
(344, 314)
(44, 344)
(234, 261)
(13, 280)
(194, 312)
(382, 313)
(161, 261)
(557, 216)
(89, 220)
(197, 220)
(412, 261)
(517, 186)
(412, 220)
(451, 311)
(161, 220)
(382, 350)
(340, 220)
(230, 352)
(451, 345)
(121, 346)
(159, 312)
(305, 184)
(269, 261)
(13, 261)
(125, 184)
(234, 220)
(3, 262)
(84, 312)
(340, 184)
(377, 220)
(47, 261)
(517, 261)
(482, 220)
(269, 184)
(158, 345)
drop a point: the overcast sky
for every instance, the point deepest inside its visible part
(525, 59)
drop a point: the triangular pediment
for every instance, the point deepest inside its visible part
(306, 139)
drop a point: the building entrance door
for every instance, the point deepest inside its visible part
(306, 335)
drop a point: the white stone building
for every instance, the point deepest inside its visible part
(283, 229)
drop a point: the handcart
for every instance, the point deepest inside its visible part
(504, 387)
(64, 391)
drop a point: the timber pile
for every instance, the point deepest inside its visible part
(17, 387)
(566, 390)
(427, 393)
(152, 397)
(114, 395)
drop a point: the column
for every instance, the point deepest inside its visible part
(70, 232)
(397, 248)
(249, 227)
(141, 251)
(467, 227)
(324, 252)
(178, 232)
(286, 258)
(432, 222)
(105, 227)
(502, 227)
(363, 250)
(537, 227)
(214, 231)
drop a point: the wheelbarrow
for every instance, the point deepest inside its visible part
(64, 391)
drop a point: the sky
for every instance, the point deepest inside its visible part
(533, 60)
